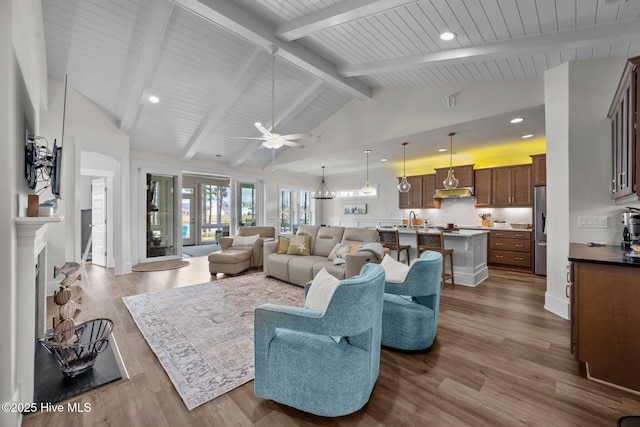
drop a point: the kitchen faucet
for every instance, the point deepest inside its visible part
(410, 219)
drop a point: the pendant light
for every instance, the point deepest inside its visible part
(451, 183)
(367, 189)
(323, 193)
(404, 185)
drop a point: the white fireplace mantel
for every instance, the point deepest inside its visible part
(32, 255)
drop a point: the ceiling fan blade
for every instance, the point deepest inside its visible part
(297, 136)
(262, 129)
(293, 144)
(262, 138)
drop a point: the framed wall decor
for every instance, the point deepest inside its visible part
(356, 208)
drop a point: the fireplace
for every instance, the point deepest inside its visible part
(32, 293)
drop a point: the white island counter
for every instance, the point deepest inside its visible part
(469, 253)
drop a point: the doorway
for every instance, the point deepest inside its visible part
(206, 209)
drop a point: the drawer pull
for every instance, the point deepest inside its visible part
(519, 235)
(499, 256)
(519, 258)
(519, 246)
(499, 234)
(566, 291)
(499, 244)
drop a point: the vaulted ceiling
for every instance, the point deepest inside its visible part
(209, 61)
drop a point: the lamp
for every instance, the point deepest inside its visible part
(367, 189)
(323, 192)
(451, 183)
(404, 185)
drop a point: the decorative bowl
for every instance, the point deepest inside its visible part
(521, 226)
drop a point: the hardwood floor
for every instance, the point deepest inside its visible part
(499, 359)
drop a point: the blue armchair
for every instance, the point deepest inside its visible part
(297, 360)
(412, 325)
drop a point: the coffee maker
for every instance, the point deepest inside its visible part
(631, 232)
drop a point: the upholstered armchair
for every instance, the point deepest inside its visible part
(411, 308)
(298, 361)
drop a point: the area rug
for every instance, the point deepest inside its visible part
(160, 265)
(199, 250)
(203, 334)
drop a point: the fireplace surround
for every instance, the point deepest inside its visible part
(31, 296)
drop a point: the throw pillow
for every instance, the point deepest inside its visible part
(245, 240)
(283, 245)
(300, 244)
(395, 272)
(321, 291)
(340, 250)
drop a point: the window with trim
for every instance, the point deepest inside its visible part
(286, 196)
(246, 203)
(356, 192)
(304, 208)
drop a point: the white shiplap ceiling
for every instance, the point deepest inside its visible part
(209, 61)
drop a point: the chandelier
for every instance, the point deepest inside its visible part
(323, 193)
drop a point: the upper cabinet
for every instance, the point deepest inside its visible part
(428, 189)
(624, 117)
(511, 186)
(539, 169)
(482, 188)
(464, 174)
(413, 198)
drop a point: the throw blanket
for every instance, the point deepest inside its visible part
(375, 248)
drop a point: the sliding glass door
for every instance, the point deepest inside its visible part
(214, 212)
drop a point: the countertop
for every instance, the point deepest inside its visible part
(610, 254)
(462, 232)
(469, 227)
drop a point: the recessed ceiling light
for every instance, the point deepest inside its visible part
(442, 149)
(447, 36)
(517, 120)
(154, 99)
(527, 136)
(383, 160)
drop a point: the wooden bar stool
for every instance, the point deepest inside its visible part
(434, 241)
(391, 239)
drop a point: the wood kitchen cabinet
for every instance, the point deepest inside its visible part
(482, 188)
(511, 186)
(413, 198)
(464, 174)
(511, 248)
(539, 169)
(623, 114)
(605, 320)
(428, 189)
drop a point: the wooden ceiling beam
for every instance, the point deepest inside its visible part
(230, 15)
(338, 14)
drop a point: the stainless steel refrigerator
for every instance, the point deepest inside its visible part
(540, 230)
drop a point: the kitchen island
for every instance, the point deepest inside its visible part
(469, 252)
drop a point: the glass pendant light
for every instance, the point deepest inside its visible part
(367, 189)
(323, 193)
(404, 185)
(451, 183)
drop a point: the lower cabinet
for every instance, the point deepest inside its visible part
(511, 249)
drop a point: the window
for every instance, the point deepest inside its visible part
(357, 192)
(304, 208)
(246, 204)
(285, 210)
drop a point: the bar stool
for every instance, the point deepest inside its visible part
(434, 241)
(391, 239)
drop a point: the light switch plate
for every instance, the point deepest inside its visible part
(593, 222)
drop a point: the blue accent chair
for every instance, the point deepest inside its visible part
(297, 360)
(412, 325)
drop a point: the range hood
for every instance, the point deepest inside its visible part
(454, 194)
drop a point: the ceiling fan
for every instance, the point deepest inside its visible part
(271, 139)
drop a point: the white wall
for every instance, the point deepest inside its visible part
(577, 99)
(21, 89)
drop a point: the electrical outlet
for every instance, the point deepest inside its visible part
(593, 222)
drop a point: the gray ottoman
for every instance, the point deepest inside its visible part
(229, 261)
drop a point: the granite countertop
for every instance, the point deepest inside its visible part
(461, 232)
(609, 254)
(470, 227)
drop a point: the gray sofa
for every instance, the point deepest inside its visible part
(299, 270)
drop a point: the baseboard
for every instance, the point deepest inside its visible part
(557, 306)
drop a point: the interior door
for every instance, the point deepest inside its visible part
(99, 221)
(189, 216)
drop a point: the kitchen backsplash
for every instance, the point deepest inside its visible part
(463, 212)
